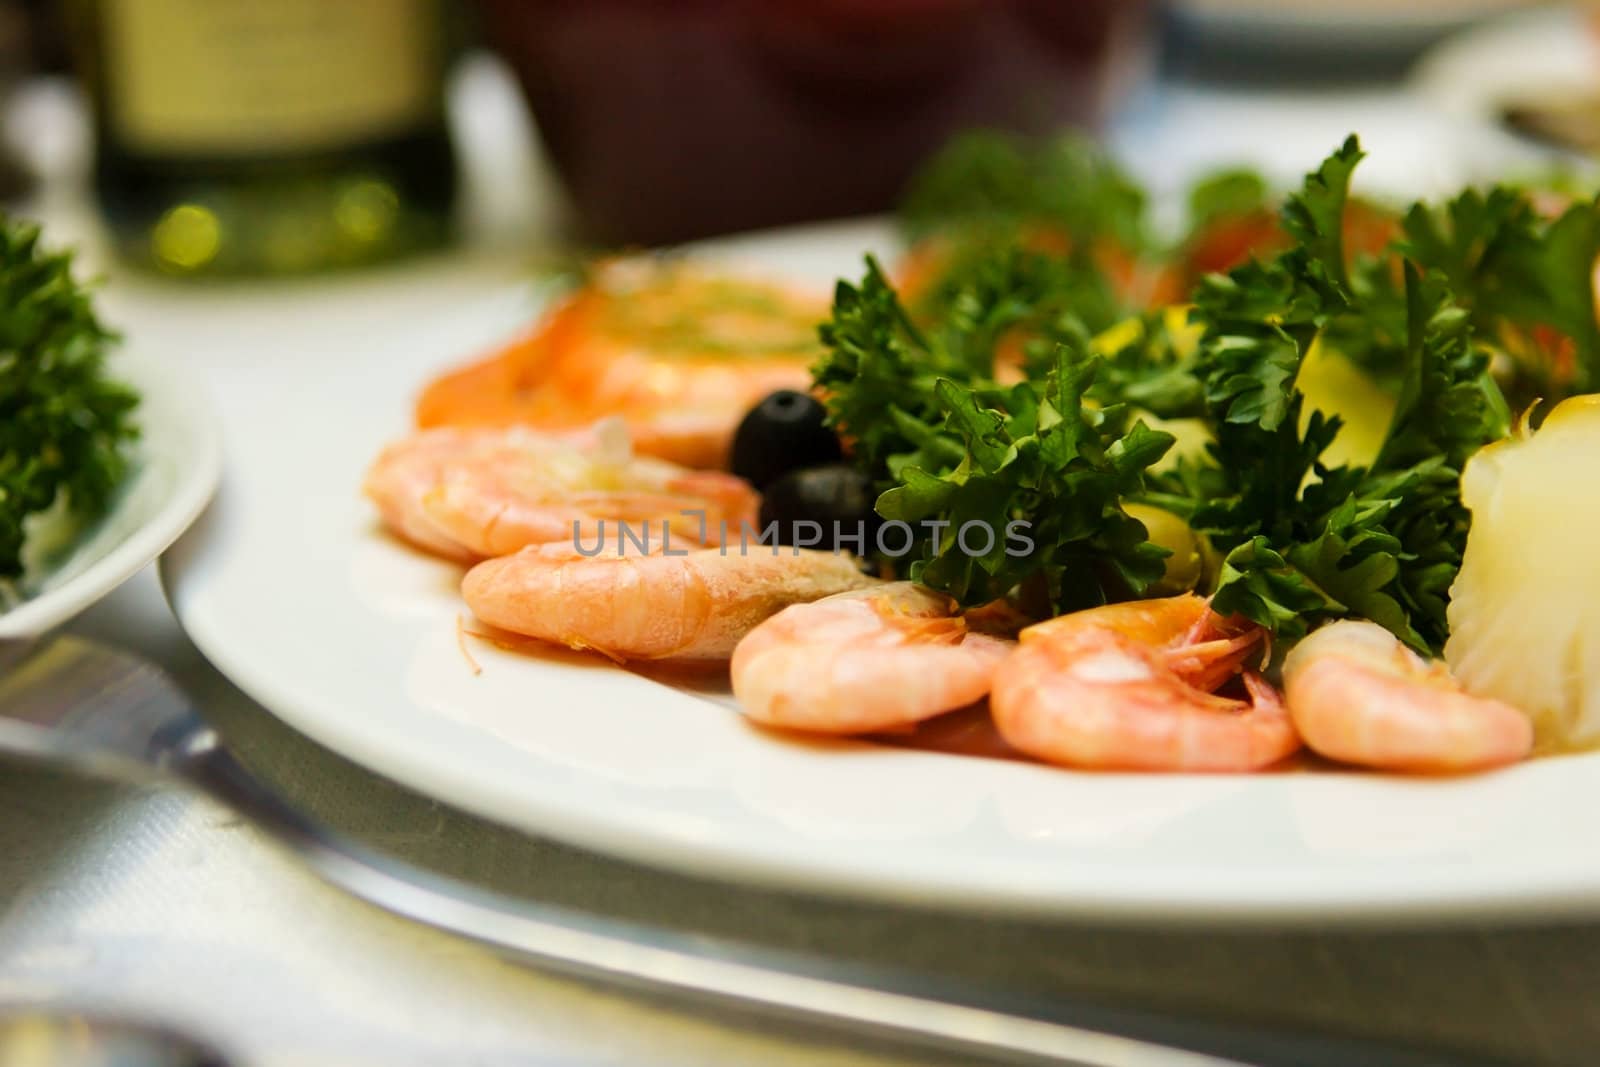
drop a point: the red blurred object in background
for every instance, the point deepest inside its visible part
(674, 120)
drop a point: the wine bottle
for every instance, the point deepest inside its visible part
(248, 137)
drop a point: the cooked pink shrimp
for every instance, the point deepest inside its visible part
(859, 662)
(1133, 686)
(679, 351)
(1359, 696)
(694, 606)
(473, 493)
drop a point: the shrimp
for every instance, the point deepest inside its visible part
(864, 661)
(685, 606)
(681, 353)
(1133, 686)
(1359, 696)
(468, 494)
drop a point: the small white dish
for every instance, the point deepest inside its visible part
(174, 470)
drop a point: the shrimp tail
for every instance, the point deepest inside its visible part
(1207, 664)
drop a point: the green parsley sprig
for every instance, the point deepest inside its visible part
(64, 425)
(1056, 211)
(951, 450)
(1304, 541)
(1300, 539)
(991, 181)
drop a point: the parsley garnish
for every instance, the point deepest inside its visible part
(1303, 541)
(63, 424)
(1300, 538)
(950, 448)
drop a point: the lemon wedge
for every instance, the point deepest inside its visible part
(1525, 610)
(1333, 385)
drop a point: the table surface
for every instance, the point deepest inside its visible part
(153, 903)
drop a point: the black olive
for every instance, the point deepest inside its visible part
(837, 498)
(784, 432)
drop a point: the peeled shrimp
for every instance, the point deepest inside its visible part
(864, 661)
(1359, 696)
(681, 353)
(474, 493)
(1133, 686)
(693, 606)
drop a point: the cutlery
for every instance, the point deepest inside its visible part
(73, 703)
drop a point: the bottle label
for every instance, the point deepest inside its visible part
(252, 77)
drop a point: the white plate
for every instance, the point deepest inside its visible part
(175, 467)
(289, 587)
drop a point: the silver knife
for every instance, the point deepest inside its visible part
(72, 703)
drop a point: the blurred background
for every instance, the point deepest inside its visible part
(224, 138)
